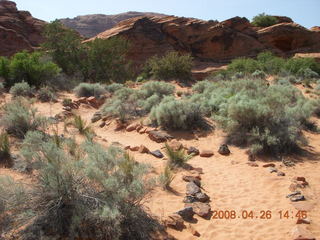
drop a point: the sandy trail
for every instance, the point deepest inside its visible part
(228, 180)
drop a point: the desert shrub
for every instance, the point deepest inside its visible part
(155, 87)
(238, 75)
(268, 118)
(201, 86)
(308, 73)
(45, 94)
(89, 89)
(259, 74)
(166, 177)
(294, 65)
(19, 118)
(114, 87)
(176, 158)
(269, 63)
(264, 20)
(5, 154)
(103, 188)
(128, 103)
(21, 89)
(171, 66)
(177, 114)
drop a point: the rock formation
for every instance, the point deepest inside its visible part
(91, 25)
(18, 29)
(211, 40)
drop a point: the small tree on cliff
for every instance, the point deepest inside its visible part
(264, 20)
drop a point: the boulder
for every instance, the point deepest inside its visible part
(174, 221)
(175, 145)
(224, 149)
(193, 150)
(193, 179)
(159, 136)
(96, 117)
(202, 197)
(186, 213)
(143, 149)
(269, 165)
(199, 208)
(301, 233)
(192, 189)
(132, 127)
(102, 124)
(135, 148)
(157, 154)
(206, 153)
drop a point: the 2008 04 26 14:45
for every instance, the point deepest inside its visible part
(263, 214)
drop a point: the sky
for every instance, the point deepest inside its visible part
(304, 12)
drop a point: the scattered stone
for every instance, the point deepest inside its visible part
(120, 125)
(202, 197)
(193, 231)
(157, 154)
(189, 199)
(159, 136)
(174, 221)
(96, 117)
(175, 145)
(294, 186)
(135, 148)
(293, 194)
(143, 149)
(269, 165)
(193, 150)
(224, 150)
(139, 128)
(272, 170)
(192, 189)
(132, 127)
(94, 102)
(186, 213)
(281, 174)
(252, 164)
(82, 100)
(303, 206)
(299, 179)
(199, 208)
(196, 180)
(67, 108)
(198, 170)
(297, 198)
(142, 130)
(303, 221)
(102, 125)
(301, 233)
(206, 153)
(127, 148)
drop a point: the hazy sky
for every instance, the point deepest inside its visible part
(304, 12)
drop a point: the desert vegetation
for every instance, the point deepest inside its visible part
(264, 20)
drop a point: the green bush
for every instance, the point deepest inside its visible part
(19, 118)
(4, 67)
(34, 68)
(268, 118)
(263, 20)
(259, 74)
(97, 195)
(89, 89)
(271, 64)
(128, 103)
(170, 66)
(21, 89)
(2, 89)
(177, 114)
(45, 94)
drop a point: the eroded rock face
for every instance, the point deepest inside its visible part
(93, 24)
(18, 29)
(211, 40)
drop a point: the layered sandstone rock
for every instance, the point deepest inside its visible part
(18, 29)
(211, 41)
